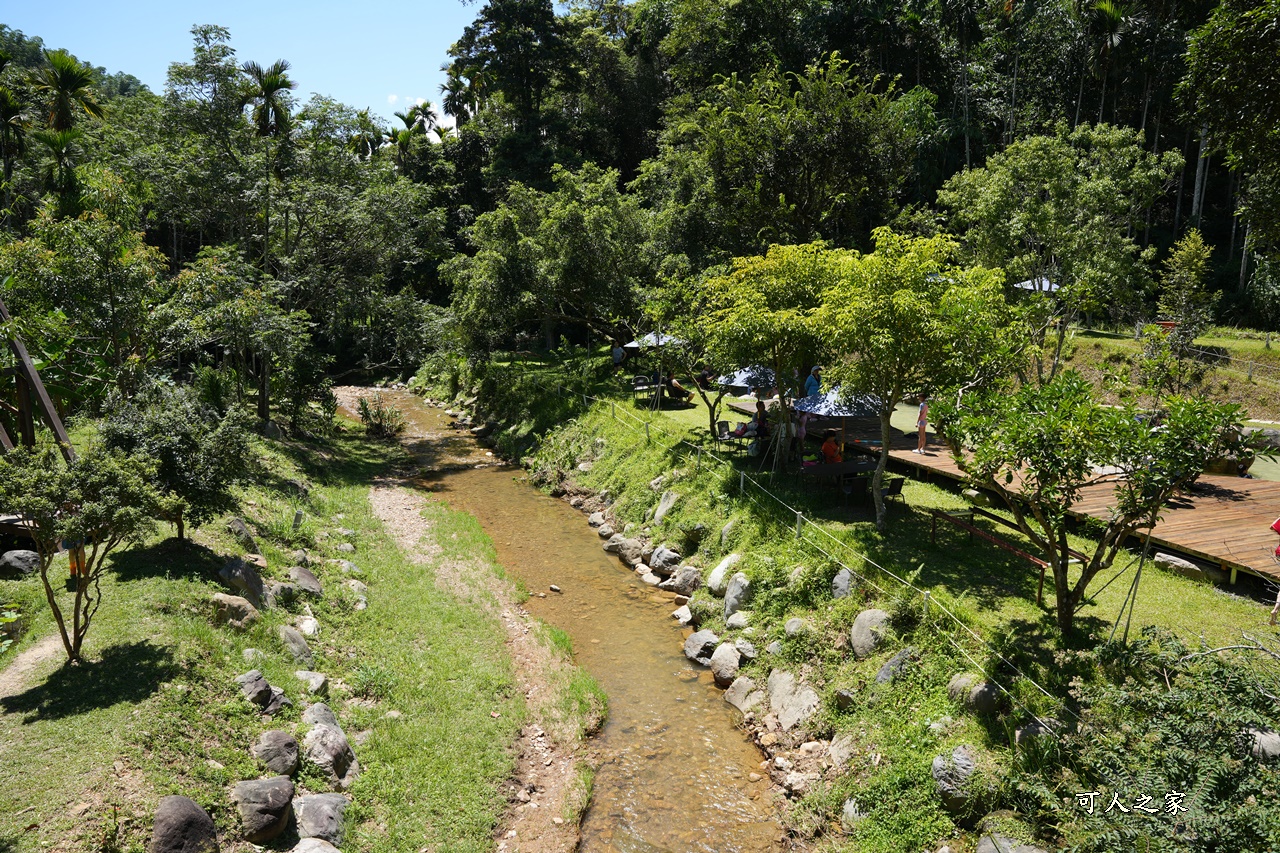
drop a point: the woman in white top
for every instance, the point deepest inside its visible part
(922, 423)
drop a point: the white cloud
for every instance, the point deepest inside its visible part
(391, 99)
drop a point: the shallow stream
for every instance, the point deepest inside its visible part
(674, 770)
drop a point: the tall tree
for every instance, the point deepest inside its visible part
(270, 114)
(905, 319)
(67, 86)
(1064, 209)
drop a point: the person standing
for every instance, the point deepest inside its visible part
(922, 424)
(813, 383)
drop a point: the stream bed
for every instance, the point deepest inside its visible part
(675, 772)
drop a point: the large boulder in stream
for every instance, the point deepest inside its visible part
(685, 581)
(724, 664)
(664, 560)
(628, 550)
(700, 646)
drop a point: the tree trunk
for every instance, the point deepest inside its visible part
(1197, 198)
(264, 388)
(877, 479)
(1243, 284)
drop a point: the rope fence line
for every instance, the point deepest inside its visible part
(929, 600)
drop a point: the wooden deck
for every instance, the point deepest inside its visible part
(1223, 521)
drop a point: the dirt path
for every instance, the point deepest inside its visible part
(17, 674)
(545, 780)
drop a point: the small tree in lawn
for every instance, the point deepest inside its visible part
(762, 310)
(904, 319)
(1039, 447)
(98, 502)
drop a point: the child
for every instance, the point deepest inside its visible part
(922, 423)
(831, 450)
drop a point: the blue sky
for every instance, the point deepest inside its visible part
(383, 55)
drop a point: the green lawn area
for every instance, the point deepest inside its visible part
(88, 751)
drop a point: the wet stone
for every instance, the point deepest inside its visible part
(700, 646)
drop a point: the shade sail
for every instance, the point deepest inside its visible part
(748, 378)
(653, 339)
(832, 405)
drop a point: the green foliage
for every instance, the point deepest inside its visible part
(8, 616)
(1038, 447)
(85, 291)
(381, 420)
(1065, 208)
(768, 161)
(1183, 297)
(905, 319)
(1232, 83)
(1165, 719)
(98, 502)
(762, 309)
(199, 453)
(567, 257)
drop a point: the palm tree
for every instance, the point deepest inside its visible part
(1112, 20)
(60, 177)
(419, 118)
(67, 83)
(268, 94)
(368, 139)
(457, 96)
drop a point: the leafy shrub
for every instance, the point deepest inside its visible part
(8, 616)
(380, 420)
(200, 453)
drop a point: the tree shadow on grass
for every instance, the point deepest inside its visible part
(173, 558)
(125, 673)
(8, 844)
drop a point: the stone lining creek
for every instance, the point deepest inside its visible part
(675, 772)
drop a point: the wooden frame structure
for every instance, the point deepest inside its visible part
(29, 386)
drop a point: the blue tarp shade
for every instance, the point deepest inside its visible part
(748, 378)
(831, 405)
(653, 340)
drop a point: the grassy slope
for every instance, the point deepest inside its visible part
(88, 752)
(1250, 379)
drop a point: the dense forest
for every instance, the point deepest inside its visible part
(606, 151)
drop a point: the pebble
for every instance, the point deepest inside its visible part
(558, 821)
(555, 588)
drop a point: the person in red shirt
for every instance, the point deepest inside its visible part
(831, 450)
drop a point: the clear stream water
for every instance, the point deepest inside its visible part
(674, 767)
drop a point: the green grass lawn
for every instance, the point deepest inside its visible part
(88, 751)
